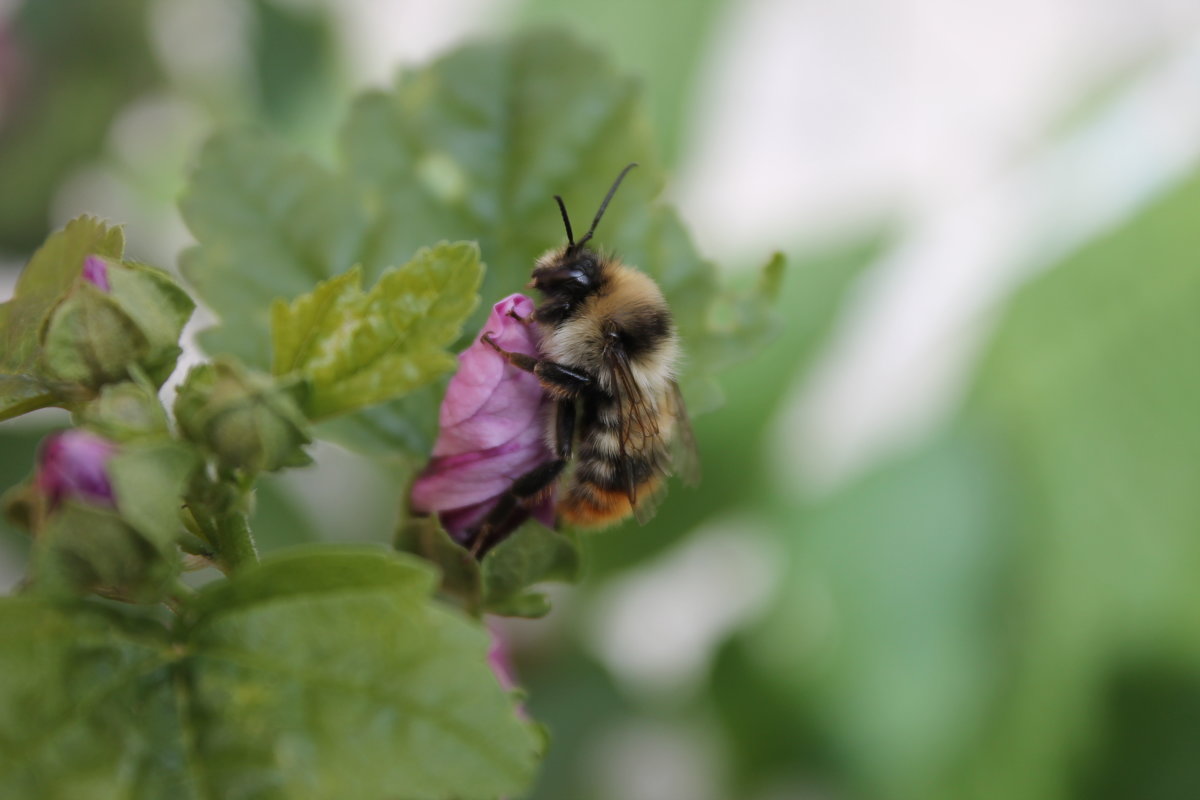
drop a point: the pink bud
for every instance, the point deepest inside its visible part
(490, 429)
(95, 272)
(73, 464)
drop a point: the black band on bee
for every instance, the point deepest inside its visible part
(642, 330)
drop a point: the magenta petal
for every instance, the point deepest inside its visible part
(489, 401)
(74, 464)
(95, 272)
(491, 428)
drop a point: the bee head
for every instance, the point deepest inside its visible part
(567, 274)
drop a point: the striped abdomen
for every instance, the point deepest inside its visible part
(610, 479)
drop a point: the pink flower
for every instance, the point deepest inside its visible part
(74, 464)
(490, 429)
(95, 272)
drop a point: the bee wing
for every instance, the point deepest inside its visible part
(639, 422)
(685, 457)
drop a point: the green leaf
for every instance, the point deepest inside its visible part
(87, 705)
(358, 349)
(500, 584)
(270, 224)
(323, 673)
(531, 555)
(349, 683)
(20, 394)
(461, 576)
(881, 630)
(83, 549)
(471, 147)
(1093, 384)
(149, 482)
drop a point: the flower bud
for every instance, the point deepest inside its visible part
(81, 543)
(490, 429)
(117, 315)
(246, 419)
(73, 464)
(95, 272)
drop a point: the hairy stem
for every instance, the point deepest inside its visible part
(235, 543)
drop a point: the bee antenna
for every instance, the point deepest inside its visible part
(566, 220)
(604, 205)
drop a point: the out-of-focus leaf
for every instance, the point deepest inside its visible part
(294, 52)
(149, 481)
(270, 225)
(323, 673)
(665, 44)
(737, 474)
(531, 555)
(73, 68)
(1093, 385)
(500, 584)
(348, 682)
(360, 348)
(471, 147)
(87, 706)
(461, 576)
(881, 630)
(84, 549)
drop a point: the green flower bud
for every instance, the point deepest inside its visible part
(246, 419)
(125, 412)
(117, 315)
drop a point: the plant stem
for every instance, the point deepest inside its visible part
(235, 543)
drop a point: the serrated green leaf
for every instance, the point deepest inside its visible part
(323, 673)
(358, 349)
(471, 147)
(299, 328)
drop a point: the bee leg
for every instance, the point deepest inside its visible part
(529, 486)
(561, 380)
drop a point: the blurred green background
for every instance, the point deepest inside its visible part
(948, 540)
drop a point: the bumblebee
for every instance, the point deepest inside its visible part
(609, 355)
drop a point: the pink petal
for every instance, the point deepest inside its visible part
(491, 427)
(95, 272)
(74, 463)
(489, 401)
